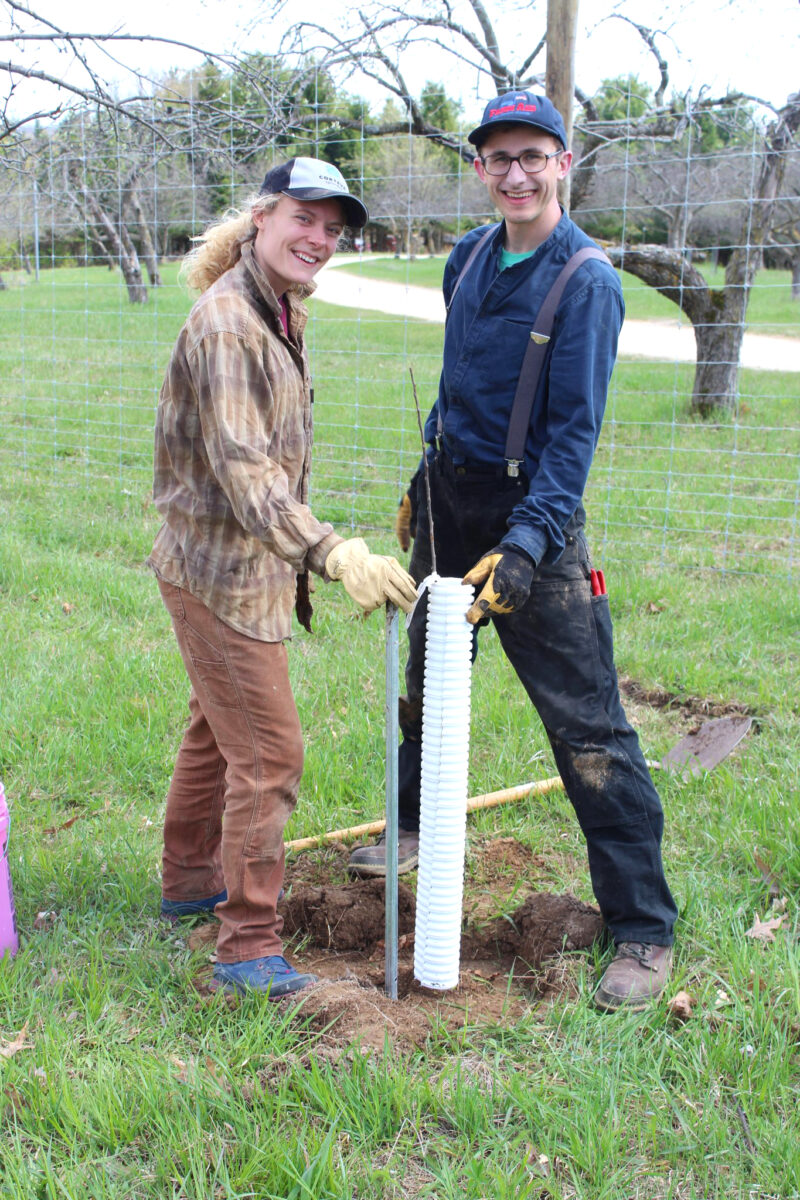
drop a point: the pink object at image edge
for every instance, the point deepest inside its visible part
(8, 927)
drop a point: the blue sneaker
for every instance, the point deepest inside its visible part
(272, 974)
(174, 910)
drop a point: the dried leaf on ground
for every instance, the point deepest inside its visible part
(45, 919)
(183, 1068)
(537, 1164)
(681, 1006)
(764, 931)
(85, 815)
(9, 1049)
(770, 879)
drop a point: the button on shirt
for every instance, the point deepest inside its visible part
(232, 456)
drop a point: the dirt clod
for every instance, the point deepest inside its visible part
(543, 926)
(350, 917)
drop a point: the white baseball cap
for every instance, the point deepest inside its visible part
(313, 179)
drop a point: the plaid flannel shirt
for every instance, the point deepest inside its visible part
(232, 456)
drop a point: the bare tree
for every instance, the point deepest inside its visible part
(410, 186)
(80, 82)
(718, 314)
(785, 232)
(132, 204)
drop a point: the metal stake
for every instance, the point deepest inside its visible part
(392, 738)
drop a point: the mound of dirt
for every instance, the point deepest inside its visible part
(542, 927)
(509, 963)
(349, 917)
(352, 917)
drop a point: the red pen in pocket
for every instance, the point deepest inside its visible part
(598, 582)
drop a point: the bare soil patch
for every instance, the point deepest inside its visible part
(334, 928)
(695, 709)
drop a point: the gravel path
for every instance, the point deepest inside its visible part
(662, 341)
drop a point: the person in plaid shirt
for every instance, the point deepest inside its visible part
(232, 460)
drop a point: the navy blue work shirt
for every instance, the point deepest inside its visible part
(487, 332)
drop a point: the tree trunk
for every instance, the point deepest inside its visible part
(796, 276)
(2, 284)
(123, 247)
(678, 227)
(719, 345)
(717, 319)
(149, 253)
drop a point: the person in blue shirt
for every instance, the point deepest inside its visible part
(512, 524)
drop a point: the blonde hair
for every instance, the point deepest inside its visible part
(219, 247)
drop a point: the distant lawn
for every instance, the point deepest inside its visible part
(772, 309)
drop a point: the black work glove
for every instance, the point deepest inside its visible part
(508, 575)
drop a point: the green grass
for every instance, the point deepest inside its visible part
(80, 371)
(771, 308)
(128, 1087)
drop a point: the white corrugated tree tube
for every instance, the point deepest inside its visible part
(443, 799)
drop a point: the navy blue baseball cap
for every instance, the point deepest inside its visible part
(520, 108)
(313, 179)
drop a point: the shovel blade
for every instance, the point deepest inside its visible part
(702, 750)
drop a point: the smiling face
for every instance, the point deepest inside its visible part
(295, 239)
(528, 203)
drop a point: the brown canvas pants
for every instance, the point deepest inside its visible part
(236, 778)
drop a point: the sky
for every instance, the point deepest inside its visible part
(746, 45)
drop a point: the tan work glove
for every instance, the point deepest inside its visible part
(508, 575)
(370, 579)
(402, 524)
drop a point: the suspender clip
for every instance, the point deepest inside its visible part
(512, 467)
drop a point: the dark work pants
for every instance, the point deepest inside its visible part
(560, 645)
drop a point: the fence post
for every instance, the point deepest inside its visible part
(36, 229)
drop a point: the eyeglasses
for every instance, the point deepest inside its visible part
(531, 161)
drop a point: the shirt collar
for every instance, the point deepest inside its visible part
(262, 285)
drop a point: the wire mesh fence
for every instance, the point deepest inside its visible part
(97, 214)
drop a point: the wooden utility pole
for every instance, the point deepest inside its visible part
(562, 24)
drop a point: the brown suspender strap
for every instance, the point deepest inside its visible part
(533, 361)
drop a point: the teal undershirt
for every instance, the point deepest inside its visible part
(507, 259)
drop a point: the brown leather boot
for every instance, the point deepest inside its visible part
(371, 860)
(637, 974)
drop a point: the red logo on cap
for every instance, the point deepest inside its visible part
(507, 108)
